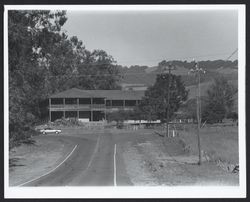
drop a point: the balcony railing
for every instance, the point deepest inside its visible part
(97, 106)
(75, 106)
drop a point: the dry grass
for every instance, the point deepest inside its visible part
(220, 143)
(151, 162)
(30, 161)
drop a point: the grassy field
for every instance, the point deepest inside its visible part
(149, 160)
(220, 143)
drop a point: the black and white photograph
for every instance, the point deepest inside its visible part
(124, 101)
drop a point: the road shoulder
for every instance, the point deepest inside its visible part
(29, 161)
(150, 162)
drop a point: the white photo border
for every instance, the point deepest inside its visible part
(134, 192)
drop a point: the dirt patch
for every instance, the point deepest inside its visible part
(171, 164)
(29, 161)
(138, 172)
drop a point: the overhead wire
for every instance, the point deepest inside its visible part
(236, 50)
(181, 58)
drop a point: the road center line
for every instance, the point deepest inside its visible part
(50, 170)
(95, 151)
(115, 166)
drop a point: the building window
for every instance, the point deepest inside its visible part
(70, 101)
(56, 101)
(130, 103)
(98, 101)
(84, 101)
(98, 115)
(71, 114)
(117, 103)
(56, 115)
(84, 114)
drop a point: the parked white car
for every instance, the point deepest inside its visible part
(50, 130)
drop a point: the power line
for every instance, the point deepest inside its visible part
(232, 54)
(181, 58)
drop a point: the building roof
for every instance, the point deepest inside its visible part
(108, 94)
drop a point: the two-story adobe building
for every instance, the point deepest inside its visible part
(91, 105)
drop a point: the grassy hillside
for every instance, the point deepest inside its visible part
(146, 75)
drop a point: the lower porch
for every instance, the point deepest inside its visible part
(85, 116)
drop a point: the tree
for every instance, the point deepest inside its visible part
(31, 35)
(43, 61)
(154, 104)
(98, 71)
(118, 116)
(135, 114)
(233, 116)
(148, 108)
(219, 100)
(189, 108)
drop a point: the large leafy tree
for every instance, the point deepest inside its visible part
(31, 34)
(154, 104)
(219, 100)
(63, 62)
(43, 60)
(98, 71)
(189, 108)
(72, 65)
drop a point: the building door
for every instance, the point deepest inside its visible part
(85, 115)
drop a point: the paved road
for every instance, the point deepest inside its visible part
(91, 164)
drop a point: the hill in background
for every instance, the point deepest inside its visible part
(146, 75)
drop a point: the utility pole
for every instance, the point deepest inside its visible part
(168, 68)
(197, 70)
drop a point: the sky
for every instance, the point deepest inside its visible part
(148, 37)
